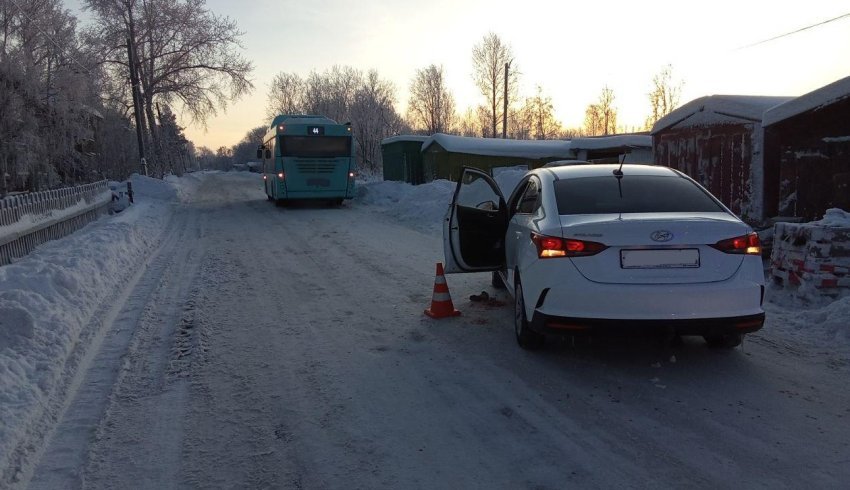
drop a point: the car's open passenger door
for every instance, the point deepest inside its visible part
(475, 225)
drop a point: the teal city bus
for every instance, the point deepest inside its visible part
(307, 157)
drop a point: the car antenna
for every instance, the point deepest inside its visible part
(619, 174)
(619, 171)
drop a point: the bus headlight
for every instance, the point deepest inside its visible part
(280, 175)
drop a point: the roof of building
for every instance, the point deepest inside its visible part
(612, 142)
(532, 149)
(718, 109)
(822, 97)
(404, 137)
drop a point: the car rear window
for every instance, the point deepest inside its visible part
(632, 194)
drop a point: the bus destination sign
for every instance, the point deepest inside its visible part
(315, 130)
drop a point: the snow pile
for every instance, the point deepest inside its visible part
(420, 206)
(186, 186)
(423, 206)
(809, 317)
(49, 296)
(834, 217)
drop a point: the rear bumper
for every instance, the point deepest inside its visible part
(557, 325)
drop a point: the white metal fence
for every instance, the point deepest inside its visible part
(27, 221)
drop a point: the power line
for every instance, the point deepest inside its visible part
(795, 31)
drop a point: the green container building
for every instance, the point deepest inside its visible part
(402, 157)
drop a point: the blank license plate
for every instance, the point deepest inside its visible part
(659, 259)
(319, 182)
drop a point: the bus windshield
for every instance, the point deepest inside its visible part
(315, 146)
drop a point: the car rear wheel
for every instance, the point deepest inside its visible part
(525, 337)
(724, 341)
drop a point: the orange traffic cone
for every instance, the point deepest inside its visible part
(441, 302)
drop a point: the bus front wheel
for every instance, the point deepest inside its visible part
(281, 203)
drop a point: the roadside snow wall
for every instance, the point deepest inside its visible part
(29, 220)
(813, 256)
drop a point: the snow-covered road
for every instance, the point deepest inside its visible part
(286, 348)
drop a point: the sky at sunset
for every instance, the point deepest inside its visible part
(571, 49)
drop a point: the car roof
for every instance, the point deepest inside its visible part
(598, 170)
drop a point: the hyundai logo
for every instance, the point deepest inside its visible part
(661, 236)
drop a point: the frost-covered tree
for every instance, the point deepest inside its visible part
(246, 149)
(489, 58)
(286, 95)
(346, 94)
(431, 107)
(49, 102)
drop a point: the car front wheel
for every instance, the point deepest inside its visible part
(525, 337)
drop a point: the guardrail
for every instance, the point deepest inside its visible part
(28, 220)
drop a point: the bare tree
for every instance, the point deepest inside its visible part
(601, 118)
(489, 58)
(431, 107)
(186, 55)
(470, 124)
(286, 95)
(664, 96)
(538, 116)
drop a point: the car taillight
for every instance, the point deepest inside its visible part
(550, 246)
(748, 244)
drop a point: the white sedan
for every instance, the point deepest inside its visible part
(589, 249)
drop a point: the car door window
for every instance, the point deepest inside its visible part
(530, 198)
(475, 192)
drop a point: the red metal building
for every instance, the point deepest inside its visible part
(718, 141)
(807, 153)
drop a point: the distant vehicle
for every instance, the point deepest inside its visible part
(307, 157)
(589, 249)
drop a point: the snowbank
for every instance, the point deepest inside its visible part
(422, 207)
(49, 296)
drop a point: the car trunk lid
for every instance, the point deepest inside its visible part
(652, 248)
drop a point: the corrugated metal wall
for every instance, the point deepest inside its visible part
(718, 157)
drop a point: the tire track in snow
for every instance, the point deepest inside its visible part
(125, 325)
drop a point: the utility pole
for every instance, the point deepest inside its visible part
(505, 109)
